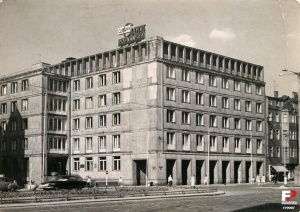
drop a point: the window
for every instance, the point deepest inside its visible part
(248, 87)
(237, 144)
(102, 143)
(170, 72)
(225, 122)
(271, 134)
(225, 102)
(248, 107)
(271, 152)
(24, 104)
(258, 108)
(277, 117)
(199, 78)
(237, 85)
(277, 103)
(213, 143)
(14, 87)
(248, 124)
(259, 146)
(237, 104)
(212, 121)
(3, 146)
(116, 119)
(212, 101)
(284, 118)
(199, 98)
(24, 84)
(116, 143)
(170, 138)
(258, 90)
(185, 139)
(76, 144)
(185, 75)
(259, 126)
(3, 108)
(76, 85)
(3, 126)
(56, 124)
(117, 163)
(102, 100)
(116, 98)
(24, 124)
(88, 102)
(171, 94)
(76, 163)
(248, 145)
(13, 125)
(116, 77)
(278, 152)
(89, 143)
(102, 80)
(212, 81)
(225, 83)
(89, 122)
(3, 90)
(199, 119)
(200, 142)
(102, 164)
(76, 104)
(13, 106)
(225, 144)
(13, 145)
(171, 116)
(24, 144)
(185, 96)
(102, 121)
(88, 83)
(76, 124)
(237, 123)
(277, 134)
(186, 118)
(89, 164)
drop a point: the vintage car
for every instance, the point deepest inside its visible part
(63, 182)
(7, 184)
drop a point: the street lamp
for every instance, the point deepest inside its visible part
(288, 72)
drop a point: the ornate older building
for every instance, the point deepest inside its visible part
(142, 112)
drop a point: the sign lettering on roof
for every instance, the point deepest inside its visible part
(131, 34)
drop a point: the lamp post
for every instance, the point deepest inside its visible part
(288, 72)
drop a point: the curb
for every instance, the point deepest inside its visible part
(22, 205)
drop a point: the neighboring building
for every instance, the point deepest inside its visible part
(142, 111)
(282, 130)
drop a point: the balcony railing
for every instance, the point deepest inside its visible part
(58, 151)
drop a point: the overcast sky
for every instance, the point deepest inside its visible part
(263, 32)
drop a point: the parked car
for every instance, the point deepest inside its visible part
(7, 184)
(64, 182)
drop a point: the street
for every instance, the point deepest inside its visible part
(237, 198)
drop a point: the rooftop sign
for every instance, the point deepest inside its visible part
(131, 34)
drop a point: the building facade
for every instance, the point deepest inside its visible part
(141, 112)
(282, 127)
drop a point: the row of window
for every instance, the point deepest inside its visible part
(57, 104)
(213, 120)
(213, 140)
(14, 88)
(89, 82)
(291, 153)
(88, 166)
(292, 135)
(225, 84)
(57, 143)
(102, 121)
(57, 85)
(292, 118)
(57, 124)
(213, 100)
(102, 101)
(14, 106)
(13, 125)
(14, 145)
(102, 143)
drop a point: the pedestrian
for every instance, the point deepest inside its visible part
(89, 182)
(258, 179)
(275, 178)
(205, 180)
(170, 180)
(120, 182)
(263, 180)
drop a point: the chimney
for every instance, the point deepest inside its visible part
(294, 94)
(276, 94)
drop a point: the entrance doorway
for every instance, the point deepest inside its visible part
(225, 169)
(248, 172)
(170, 164)
(237, 172)
(199, 166)
(212, 167)
(185, 171)
(259, 169)
(141, 166)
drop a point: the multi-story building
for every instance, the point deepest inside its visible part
(282, 128)
(141, 112)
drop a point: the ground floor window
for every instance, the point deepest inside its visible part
(117, 163)
(76, 164)
(102, 163)
(89, 164)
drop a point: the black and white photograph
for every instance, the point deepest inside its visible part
(149, 105)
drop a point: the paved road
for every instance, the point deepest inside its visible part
(237, 198)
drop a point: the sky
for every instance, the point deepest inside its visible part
(263, 32)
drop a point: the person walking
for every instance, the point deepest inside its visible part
(205, 180)
(120, 182)
(89, 182)
(170, 179)
(258, 179)
(263, 180)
